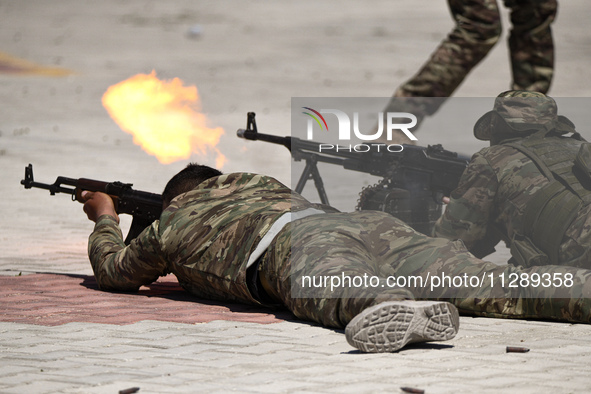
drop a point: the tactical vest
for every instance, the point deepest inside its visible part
(566, 162)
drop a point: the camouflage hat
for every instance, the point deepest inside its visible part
(521, 111)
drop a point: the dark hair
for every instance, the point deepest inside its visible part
(187, 179)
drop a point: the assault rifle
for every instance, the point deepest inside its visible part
(143, 206)
(415, 178)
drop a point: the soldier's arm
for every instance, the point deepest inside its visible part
(118, 267)
(469, 214)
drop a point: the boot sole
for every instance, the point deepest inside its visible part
(389, 326)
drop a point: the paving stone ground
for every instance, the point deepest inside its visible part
(59, 334)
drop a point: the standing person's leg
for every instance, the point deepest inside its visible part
(531, 44)
(477, 30)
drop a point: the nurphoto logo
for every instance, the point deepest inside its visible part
(402, 121)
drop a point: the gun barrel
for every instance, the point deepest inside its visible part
(29, 182)
(256, 136)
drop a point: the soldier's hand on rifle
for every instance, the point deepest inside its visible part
(445, 199)
(97, 204)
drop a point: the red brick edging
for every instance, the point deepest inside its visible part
(54, 299)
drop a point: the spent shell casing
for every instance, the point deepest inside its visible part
(130, 390)
(412, 390)
(517, 349)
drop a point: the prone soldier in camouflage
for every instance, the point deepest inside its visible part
(531, 188)
(215, 235)
(477, 30)
(247, 238)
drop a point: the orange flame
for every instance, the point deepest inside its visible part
(163, 117)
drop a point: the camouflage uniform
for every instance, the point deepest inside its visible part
(477, 30)
(207, 236)
(500, 183)
(204, 237)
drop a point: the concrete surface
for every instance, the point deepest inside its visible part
(242, 56)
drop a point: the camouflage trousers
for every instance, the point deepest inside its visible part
(369, 252)
(477, 30)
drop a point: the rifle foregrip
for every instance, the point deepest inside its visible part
(91, 185)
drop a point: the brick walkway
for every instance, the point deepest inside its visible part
(51, 300)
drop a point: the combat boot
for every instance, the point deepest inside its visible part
(389, 326)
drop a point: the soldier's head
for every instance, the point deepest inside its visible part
(186, 180)
(517, 113)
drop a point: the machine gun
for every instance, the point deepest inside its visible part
(414, 180)
(145, 207)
